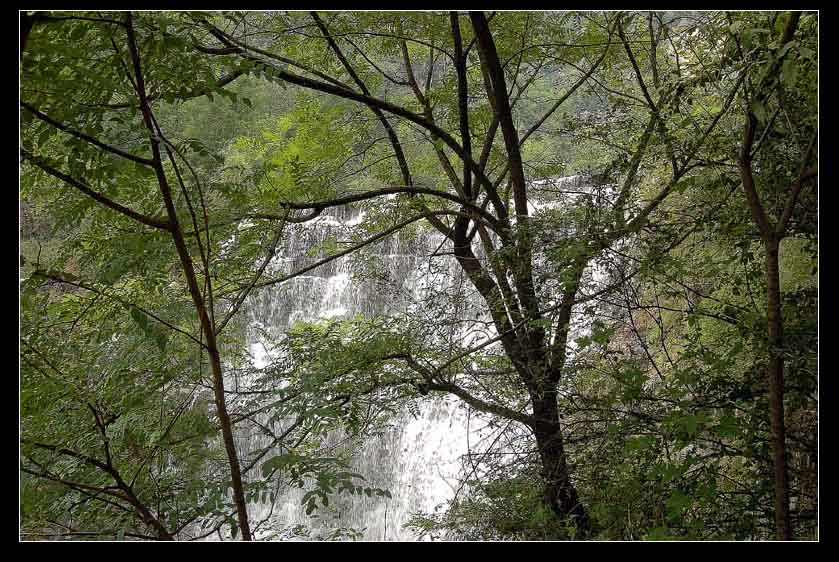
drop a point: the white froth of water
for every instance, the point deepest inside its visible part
(419, 459)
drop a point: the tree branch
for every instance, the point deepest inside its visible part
(139, 217)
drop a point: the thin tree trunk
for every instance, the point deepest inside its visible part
(775, 374)
(26, 23)
(207, 325)
(212, 349)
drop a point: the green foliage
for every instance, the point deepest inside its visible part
(662, 401)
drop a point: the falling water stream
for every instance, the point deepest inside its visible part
(419, 458)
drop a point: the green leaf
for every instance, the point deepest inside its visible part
(601, 334)
(658, 534)
(154, 437)
(141, 319)
(640, 443)
(677, 503)
(45, 135)
(759, 110)
(789, 72)
(161, 338)
(727, 426)
(785, 48)
(78, 32)
(691, 424)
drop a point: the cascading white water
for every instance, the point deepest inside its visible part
(419, 458)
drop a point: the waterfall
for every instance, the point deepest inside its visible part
(418, 457)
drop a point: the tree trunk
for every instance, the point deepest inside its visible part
(207, 324)
(559, 493)
(775, 375)
(26, 22)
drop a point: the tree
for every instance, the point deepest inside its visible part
(533, 334)
(127, 314)
(171, 224)
(776, 80)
